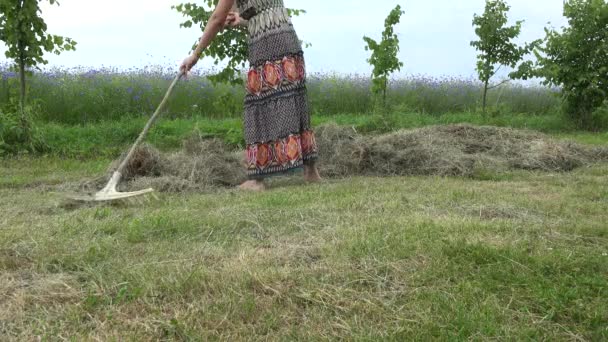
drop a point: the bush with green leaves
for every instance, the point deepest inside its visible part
(23, 30)
(495, 44)
(575, 59)
(384, 58)
(229, 44)
(17, 135)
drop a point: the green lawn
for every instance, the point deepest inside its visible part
(412, 258)
(109, 138)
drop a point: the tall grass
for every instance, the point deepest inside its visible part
(80, 95)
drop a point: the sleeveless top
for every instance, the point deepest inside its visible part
(263, 15)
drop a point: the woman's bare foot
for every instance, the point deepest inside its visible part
(311, 174)
(253, 185)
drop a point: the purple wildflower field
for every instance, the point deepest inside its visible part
(81, 95)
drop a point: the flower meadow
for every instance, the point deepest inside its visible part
(83, 95)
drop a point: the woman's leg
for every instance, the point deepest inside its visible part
(253, 185)
(311, 171)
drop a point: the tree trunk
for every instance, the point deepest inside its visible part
(485, 97)
(25, 123)
(385, 89)
(21, 59)
(585, 117)
(21, 46)
(22, 87)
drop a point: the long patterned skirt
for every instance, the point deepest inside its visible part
(277, 122)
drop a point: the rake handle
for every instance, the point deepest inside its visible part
(143, 134)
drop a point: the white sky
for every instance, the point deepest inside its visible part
(434, 34)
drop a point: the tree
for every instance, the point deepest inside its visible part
(229, 44)
(575, 59)
(23, 31)
(495, 44)
(384, 54)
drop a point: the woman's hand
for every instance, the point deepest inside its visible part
(233, 19)
(188, 63)
(216, 23)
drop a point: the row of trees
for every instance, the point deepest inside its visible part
(574, 59)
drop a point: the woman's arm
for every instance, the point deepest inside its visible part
(214, 25)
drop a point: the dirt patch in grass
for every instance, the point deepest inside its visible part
(491, 212)
(450, 150)
(12, 260)
(21, 292)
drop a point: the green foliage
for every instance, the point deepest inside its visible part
(576, 60)
(495, 44)
(23, 31)
(230, 44)
(108, 139)
(384, 58)
(599, 118)
(18, 134)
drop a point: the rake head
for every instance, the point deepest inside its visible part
(109, 192)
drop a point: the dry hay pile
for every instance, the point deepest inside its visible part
(201, 163)
(452, 150)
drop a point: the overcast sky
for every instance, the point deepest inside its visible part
(434, 34)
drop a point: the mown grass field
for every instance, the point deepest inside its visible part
(521, 257)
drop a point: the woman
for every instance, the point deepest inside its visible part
(277, 122)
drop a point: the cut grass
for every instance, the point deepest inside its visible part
(47, 171)
(523, 256)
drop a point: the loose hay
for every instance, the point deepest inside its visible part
(451, 150)
(200, 164)
(146, 161)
